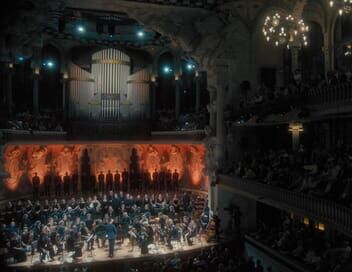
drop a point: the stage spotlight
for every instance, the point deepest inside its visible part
(190, 66)
(167, 70)
(49, 64)
(140, 34)
(20, 58)
(81, 29)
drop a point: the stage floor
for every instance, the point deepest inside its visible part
(123, 253)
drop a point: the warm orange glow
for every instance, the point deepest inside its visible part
(23, 161)
(306, 221)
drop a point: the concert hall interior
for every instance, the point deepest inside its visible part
(176, 135)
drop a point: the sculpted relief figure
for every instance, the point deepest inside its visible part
(175, 159)
(64, 160)
(152, 159)
(196, 164)
(38, 161)
(14, 166)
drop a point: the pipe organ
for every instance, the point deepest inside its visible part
(138, 94)
(110, 69)
(81, 93)
(108, 92)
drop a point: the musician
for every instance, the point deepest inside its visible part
(155, 177)
(57, 182)
(161, 180)
(169, 232)
(36, 185)
(204, 220)
(109, 181)
(125, 222)
(111, 232)
(117, 180)
(45, 247)
(139, 202)
(78, 245)
(148, 180)
(191, 231)
(47, 184)
(175, 180)
(25, 221)
(93, 184)
(101, 181)
(168, 179)
(67, 181)
(75, 182)
(125, 183)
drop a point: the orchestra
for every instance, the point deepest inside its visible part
(64, 229)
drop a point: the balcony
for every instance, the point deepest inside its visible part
(330, 94)
(321, 210)
(312, 104)
(30, 135)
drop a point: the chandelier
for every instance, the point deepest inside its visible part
(343, 6)
(283, 29)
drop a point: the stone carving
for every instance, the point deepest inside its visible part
(38, 163)
(175, 160)
(22, 161)
(152, 159)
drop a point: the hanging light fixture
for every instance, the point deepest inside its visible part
(283, 29)
(343, 6)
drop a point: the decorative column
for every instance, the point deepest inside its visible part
(153, 96)
(328, 52)
(64, 95)
(217, 151)
(212, 109)
(222, 72)
(178, 96)
(197, 107)
(295, 129)
(36, 91)
(9, 76)
(294, 58)
(36, 65)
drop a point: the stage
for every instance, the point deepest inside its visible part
(123, 254)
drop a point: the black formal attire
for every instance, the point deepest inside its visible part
(117, 180)
(101, 182)
(168, 178)
(74, 183)
(155, 180)
(36, 185)
(67, 181)
(47, 184)
(111, 232)
(57, 181)
(125, 180)
(109, 181)
(175, 181)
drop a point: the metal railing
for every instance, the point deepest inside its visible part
(325, 211)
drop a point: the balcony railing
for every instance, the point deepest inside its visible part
(195, 135)
(23, 135)
(322, 210)
(330, 94)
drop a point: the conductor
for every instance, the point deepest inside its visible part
(111, 236)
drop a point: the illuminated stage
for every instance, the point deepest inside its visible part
(22, 161)
(123, 254)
